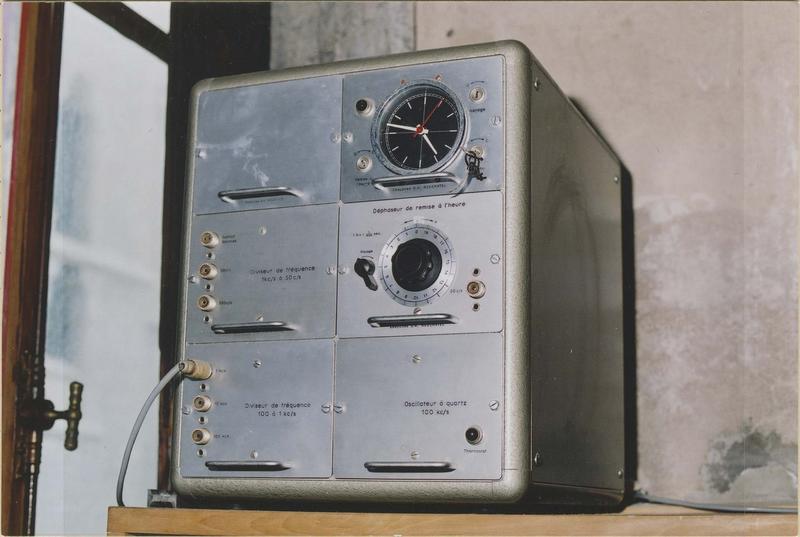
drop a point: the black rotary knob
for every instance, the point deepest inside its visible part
(416, 264)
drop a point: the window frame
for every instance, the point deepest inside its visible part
(205, 40)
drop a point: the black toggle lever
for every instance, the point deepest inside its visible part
(365, 268)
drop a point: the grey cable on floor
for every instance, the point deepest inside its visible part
(171, 374)
(644, 497)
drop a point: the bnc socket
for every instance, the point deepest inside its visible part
(208, 271)
(477, 94)
(197, 369)
(209, 239)
(363, 163)
(201, 436)
(476, 289)
(206, 302)
(365, 107)
(202, 403)
(478, 151)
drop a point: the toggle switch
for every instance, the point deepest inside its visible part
(365, 268)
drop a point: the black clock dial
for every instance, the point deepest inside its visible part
(420, 128)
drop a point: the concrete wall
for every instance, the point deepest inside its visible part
(305, 33)
(700, 101)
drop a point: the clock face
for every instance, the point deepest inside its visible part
(420, 128)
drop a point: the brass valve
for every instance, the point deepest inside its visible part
(41, 414)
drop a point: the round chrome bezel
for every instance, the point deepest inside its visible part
(418, 230)
(389, 104)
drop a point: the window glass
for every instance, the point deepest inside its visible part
(104, 278)
(10, 46)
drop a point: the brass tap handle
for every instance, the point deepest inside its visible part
(41, 414)
(73, 416)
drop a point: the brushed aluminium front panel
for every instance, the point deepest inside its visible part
(270, 270)
(473, 224)
(577, 321)
(516, 334)
(280, 135)
(409, 400)
(267, 406)
(484, 122)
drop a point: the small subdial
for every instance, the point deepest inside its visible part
(417, 265)
(420, 128)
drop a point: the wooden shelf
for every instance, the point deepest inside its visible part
(635, 520)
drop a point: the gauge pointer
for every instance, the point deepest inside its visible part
(412, 129)
(428, 141)
(421, 127)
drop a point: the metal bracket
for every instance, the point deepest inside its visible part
(161, 498)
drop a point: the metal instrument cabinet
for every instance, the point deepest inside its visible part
(407, 274)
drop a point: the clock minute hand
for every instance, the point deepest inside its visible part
(425, 137)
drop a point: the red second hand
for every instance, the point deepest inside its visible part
(422, 125)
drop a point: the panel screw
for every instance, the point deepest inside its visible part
(338, 408)
(616, 179)
(256, 363)
(343, 270)
(416, 358)
(496, 120)
(495, 259)
(335, 137)
(254, 454)
(620, 473)
(193, 279)
(202, 154)
(326, 408)
(415, 455)
(536, 84)
(262, 230)
(331, 270)
(438, 78)
(185, 410)
(348, 137)
(494, 405)
(417, 311)
(537, 459)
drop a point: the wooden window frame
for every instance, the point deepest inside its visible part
(205, 40)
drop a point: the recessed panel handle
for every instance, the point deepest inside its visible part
(246, 466)
(250, 328)
(231, 196)
(408, 467)
(423, 319)
(415, 179)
